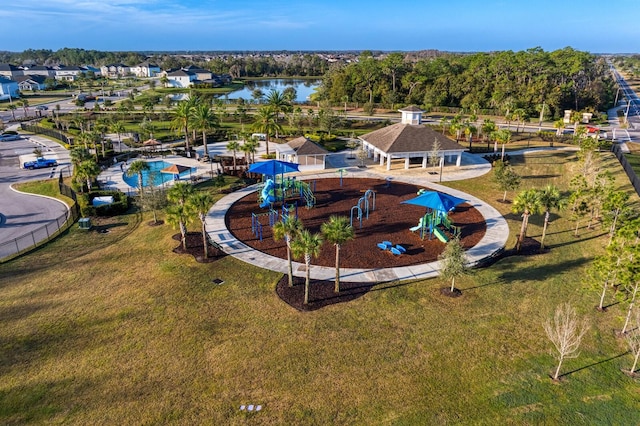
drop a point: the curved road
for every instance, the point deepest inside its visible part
(22, 214)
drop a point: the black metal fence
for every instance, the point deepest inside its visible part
(48, 132)
(633, 177)
(42, 235)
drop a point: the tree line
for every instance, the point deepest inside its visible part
(503, 81)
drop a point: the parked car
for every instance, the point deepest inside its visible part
(40, 163)
(5, 137)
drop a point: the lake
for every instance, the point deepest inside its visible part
(304, 88)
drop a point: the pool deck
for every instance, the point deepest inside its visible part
(492, 243)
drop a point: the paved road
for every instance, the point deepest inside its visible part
(22, 213)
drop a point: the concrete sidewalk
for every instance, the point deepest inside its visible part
(494, 240)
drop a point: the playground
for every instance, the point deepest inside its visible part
(376, 213)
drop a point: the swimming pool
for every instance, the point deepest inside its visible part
(157, 178)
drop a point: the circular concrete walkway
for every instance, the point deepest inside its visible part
(493, 241)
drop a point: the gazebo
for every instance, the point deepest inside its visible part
(307, 154)
(409, 139)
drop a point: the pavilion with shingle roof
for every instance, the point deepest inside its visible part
(302, 151)
(409, 139)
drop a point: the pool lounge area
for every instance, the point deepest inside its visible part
(156, 177)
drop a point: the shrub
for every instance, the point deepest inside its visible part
(119, 206)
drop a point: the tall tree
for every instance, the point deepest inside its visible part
(307, 245)
(180, 216)
(506, 178)
(337, 231)
(233, 146)
(526, 203)
(182, 118)
(87, 171)
(118, 128)
(266, 122)
(204, 119)
(138, 167)
(201, 202)
(180, 193)
(289, 229)
(549, 198)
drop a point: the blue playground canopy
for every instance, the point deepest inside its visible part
(273, 167)
(435, 200)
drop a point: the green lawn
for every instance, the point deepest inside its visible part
(116, 329)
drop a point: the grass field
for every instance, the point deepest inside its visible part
(116, 329)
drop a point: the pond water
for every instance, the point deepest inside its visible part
(304, 88)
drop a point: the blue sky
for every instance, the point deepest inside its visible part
(454, 25)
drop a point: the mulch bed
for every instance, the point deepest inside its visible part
(389, 221)
(196, 248)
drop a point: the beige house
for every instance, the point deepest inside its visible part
(308, 155)
(408, 140)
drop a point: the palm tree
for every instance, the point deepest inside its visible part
(180, 215)
(549, 199)
(279, 102)
(118, 128)
(164, 80)
(233, 146)
(182, 116)
(12, 108)
(289, 229)
(180, 192)
(24, 103)
(337, 231)
(87, 171)
(559, 126)
(266, 122)
(204, 119)
(252, 147)
(527, 203)
(488, 127)
(307, 245)
(520, 115)
(502, 136)
(78, 155)
(138, 167)
(201, 203)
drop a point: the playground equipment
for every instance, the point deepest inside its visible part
(288, 209)
(256, 225)
(268, 193)
(359, 211)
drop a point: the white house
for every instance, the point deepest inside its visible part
(114, 70)
(9, 89)
(69, 73)
(31, 83)
(145, 69)
(180, 78)
(10, 71)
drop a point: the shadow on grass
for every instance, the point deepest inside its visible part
(593, 365)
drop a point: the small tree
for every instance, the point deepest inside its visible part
(180, 215)
(307, 245)
(549, 199)
(154, 200)
(527, 203)
(452, 262)
(565, 330)
(434, 155)
(289, 229)
(633, 340)
(337, 231)
(138, 167)
(201, 202)
(506, 178)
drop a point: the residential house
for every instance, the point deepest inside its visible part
(145, 69)
(40, 70)
(69, 73)
(10, 71)
(115, 70)
(31, 83)
(180, 78)
(9, 89)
